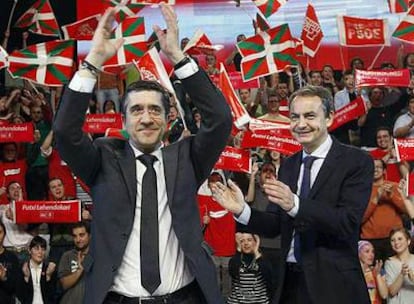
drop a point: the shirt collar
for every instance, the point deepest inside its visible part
(322, 150)
(157, 153)
(35, 266)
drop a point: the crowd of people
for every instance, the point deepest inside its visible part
(45, 262)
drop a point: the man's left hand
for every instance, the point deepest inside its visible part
(279, 194)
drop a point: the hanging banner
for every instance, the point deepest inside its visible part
(234, 159)
(23, 132)
(47, 211)
(349, 112)
(392, 78)
(271, 139)
(98, 123)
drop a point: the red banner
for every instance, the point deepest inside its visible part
(260, 124)
(349, 112)
(98, 123)
(240, 115)
(234, 159)
(23, 132)
(359, 32)
(47, 211)
(275, 139)
(410, 184)
(237, 81)
(393, 78)
(404, 148)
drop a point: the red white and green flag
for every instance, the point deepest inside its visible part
(3, 58)
(261, 23)
(132, 30)
(267, 52)
(399, 6)
(124, 8)
(82, 29)
(298, 46)
(48, 63)
(311, 32)
(269, 7)
(39, 19)
(200, 44)
(405, 30)
(153, 41)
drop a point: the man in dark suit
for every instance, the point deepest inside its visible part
(115, 171)
(317, 209)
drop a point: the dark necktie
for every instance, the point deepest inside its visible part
(150, 266)
(304, 191)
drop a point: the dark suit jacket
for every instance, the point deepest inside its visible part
(108, 167)
(328, 222)
(24, 290)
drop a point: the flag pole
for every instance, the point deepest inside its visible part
(376, 57)
(11, 14)
(342, 58)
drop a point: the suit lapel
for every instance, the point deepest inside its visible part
(327, 169)
(126, 160)
(170, 158)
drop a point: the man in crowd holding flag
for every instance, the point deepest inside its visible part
(147, 239)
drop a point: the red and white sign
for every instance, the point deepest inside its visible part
(47, 211)
(234, 159)
(237, 82)
(311, 33)
(410, 184)
(23, 132)
(260, 124)
(404, 148)
(240, 115)
(349, 112)
(393, 78)
(275, 139)
(98, 123)
(357, 32)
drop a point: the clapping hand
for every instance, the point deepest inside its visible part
(230, 198)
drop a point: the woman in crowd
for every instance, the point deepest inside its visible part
(251, 275)
(37, 281)
(399, 269)
(377, 288)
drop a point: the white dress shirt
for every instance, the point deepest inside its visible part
(36, 273)
(174, 271)
(320, 153)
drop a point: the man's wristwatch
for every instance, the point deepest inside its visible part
(86, 65)
(182, 62)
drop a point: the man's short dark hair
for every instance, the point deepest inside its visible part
(145, 85)
(11, 183)
(314, 72)
(82, 224)
(384, 128)
(53, 179)
(318, 91)
(38, 241)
